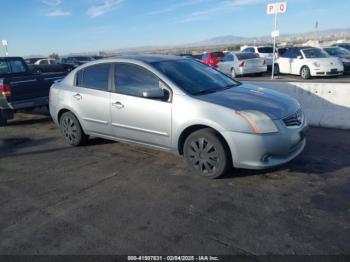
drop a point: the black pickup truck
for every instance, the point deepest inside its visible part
(20, 88)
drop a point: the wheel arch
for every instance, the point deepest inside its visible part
(193, 128)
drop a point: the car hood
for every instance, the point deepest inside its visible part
(249, 97)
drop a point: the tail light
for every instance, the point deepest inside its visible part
(257, 55)
(264, 63)
(5, 89)
(241, 64)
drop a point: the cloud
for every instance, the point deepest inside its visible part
(176, 6)
(104, 7)
(223, 6)
(58, 12)
(51, 2)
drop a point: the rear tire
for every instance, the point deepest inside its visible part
(206, 153)
(71, 130)
(3, 120)
(305, 72)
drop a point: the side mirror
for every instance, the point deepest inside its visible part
(299, 57)
(154, 93)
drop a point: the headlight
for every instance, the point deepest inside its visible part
(259, 122)
(316, 64)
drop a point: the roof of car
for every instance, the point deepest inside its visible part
(150, 58)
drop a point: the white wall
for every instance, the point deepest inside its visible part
(325, 104)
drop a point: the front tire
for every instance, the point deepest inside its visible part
(305, 72)
(71, 130)
(206, 153)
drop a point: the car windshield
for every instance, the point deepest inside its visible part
(337, 51)
(265, 50)
(245, 56)
(194, 77)
(315, 53)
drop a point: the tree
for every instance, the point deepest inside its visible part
(54, 56)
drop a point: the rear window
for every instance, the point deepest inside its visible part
(265, 50)
(12, 66)
(245, 56)
(217, 54)
(4, 67)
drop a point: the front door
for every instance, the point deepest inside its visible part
(135, 117)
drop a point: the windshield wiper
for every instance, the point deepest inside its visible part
(204, 92)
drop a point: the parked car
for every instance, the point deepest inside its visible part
(308, 62)
(20, 88)
(180, 105)
(342, 54)
(48, 65)
(76, 60)
(343, 45)
(237, 63)
(212, 58)
(265, 52)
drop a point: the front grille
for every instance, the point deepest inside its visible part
(295, 119)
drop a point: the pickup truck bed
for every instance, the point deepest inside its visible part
(22, 89)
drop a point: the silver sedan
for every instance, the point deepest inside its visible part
(180, 105)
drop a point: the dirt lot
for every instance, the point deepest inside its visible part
(113, 198)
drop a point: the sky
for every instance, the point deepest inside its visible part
(35, 27)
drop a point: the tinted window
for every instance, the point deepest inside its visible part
(265, 50)
(245, 56)
(217, 55)
(337, 51)
(315, 53)
(17, 66)
(249, 50)
(133, 80)
(228, 57)
(44, 62)
(292, 53)
(194, 77)
(95, 77)
(4, 67)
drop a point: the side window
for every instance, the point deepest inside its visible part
(94, 77)
(4, 68)
(205, 56)
(133, 80)
(44, 62)
(17, 66)
(288, 54)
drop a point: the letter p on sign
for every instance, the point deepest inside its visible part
(276, 8)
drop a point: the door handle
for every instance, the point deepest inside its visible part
(77, 96)
(118, 105)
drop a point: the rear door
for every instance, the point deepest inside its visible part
(91, 98)
(137, 118)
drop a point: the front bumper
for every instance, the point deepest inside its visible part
(327, 71)
(261, 151)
